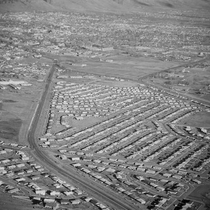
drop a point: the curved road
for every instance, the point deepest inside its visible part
(108, 196)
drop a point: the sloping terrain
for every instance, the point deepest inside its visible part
(125, 6)
(25, 5)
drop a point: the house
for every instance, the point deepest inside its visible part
(64, 202)
(25, 158)
(5, 161)
(102, 206)
(36, 200)
(29, 171)
(15, 190)
(14, 144)
(142, 201)
(177, 176)
(121, 189)
(49, 200)
(9, 173)
(55, 193)
(141, 169)
(88, 199)
(3, 152)
(35, 177)
(40, 169)
(71, 187)
(76, 165)
(196, 181)
(68, 193)
(20, 165)
(40, 192)
(11, 167)
(167, 175)
(2, 168)
(79, 192)
(75, 202)
(20, 173)
(20, 179)
(160, 188)
(75, 158)
(111, 170)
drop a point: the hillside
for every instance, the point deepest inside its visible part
(25, 5)
(118, 6)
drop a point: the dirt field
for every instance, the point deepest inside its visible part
(17, 110)
(83, 123)
(200, 119)
(9, 126)
(201, 194)
(9, 203)
(121, 66)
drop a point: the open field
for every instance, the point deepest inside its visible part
(9, 127)
(201, 119)
(22, 84)
(9, 203)
(123, 67)
(201, 193)
(16, 115)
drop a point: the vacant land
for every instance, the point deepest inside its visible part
(15, 117)
(9, 127)
(201, 194)
(200, 119)
(123, 67)
(191, 79)
(10, 203)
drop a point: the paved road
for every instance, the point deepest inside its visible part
(108, 196)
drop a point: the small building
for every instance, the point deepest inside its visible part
(75, 202)
(49, 200)
(64, 202)
(75, 158)
(40, 192)
(68, 193)
(35, 177)
(55, 193)
(111, 170)
(20, 165)
(20, 179)
(15, 190)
